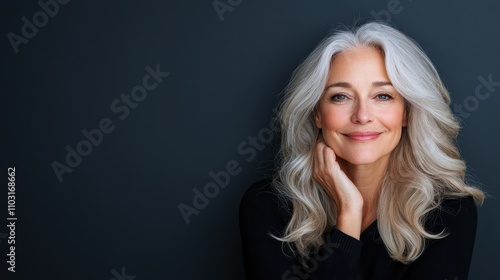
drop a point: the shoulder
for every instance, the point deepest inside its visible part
(454, 214)
(262, 201)
(458, 205)
(448, 257)
(263, 195)
(459, 208)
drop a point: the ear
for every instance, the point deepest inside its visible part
(317, 118)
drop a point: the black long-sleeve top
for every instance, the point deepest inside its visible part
(264, 212)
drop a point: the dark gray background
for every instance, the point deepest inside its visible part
(119, 207)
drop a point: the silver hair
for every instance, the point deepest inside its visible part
(425, 166)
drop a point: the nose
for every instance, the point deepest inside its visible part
(362, 113)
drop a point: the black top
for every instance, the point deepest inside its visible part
(262, 212)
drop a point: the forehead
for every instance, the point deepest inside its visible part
(367, 62)
(361, 52)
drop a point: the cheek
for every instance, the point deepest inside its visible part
(332, 119)
(393, 119)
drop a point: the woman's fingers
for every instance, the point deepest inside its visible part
(327, 172)
(318, 157)
(329, 158)
(325, 158)
(324, 165)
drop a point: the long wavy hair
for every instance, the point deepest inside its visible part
(424, 168)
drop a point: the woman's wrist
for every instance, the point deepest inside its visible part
(349, 222)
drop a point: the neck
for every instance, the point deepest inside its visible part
(368, 179)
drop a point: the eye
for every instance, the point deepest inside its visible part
(384, 97)
(338, 97)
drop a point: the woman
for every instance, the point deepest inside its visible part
(370, 183)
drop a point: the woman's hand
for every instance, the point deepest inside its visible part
(340, 188)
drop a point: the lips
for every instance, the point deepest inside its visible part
(363, 136)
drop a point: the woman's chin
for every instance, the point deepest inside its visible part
(359, 159)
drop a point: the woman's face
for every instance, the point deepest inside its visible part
(360, 113)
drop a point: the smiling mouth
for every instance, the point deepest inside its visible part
(363, 136)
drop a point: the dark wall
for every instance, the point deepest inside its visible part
(114, 212)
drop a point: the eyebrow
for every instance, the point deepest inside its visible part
(348, 85)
